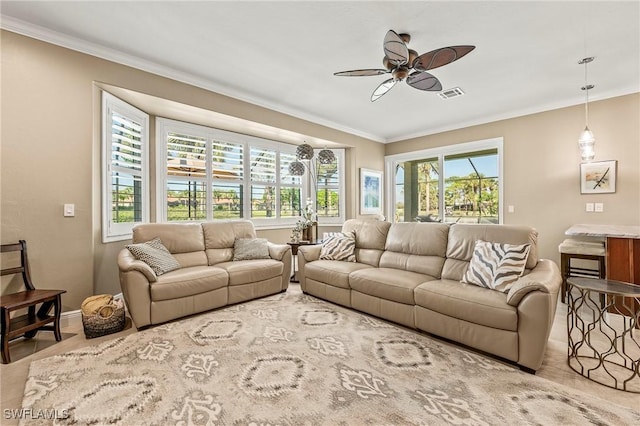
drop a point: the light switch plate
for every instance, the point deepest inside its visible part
(69, 210)
(511, 209)
(589, 207)
(599, 207)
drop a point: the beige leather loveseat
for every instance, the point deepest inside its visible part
(410, 273)
(208, 276)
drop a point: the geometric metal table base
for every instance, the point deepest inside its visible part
(603, 331)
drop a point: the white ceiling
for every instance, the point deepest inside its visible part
(282, 55)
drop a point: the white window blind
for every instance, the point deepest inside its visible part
(125, 175)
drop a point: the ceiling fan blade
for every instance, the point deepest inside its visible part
(424, 81)
(395, 49)
(361, 73)
(439, 57)
(382, 89)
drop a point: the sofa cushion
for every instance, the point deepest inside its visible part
(388, 283)
(176, 237)
(188, 282)
(156, 255)
(220, 236)
(332, 272)
(496, 266)
(463, 237)
(416, 247)
(251, 271)
(371, 236)
(250, 249)
(468, 302)
(339, 246)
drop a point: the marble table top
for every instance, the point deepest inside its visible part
(616, 231)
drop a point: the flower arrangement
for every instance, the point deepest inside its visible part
(306, 221)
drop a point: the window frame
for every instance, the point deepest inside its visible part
(110, 104)
(166, 125)
(440, 153)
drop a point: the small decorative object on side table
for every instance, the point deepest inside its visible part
(602, 332)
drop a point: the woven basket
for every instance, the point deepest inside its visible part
(98, 325)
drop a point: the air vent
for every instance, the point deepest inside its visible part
(451, 93)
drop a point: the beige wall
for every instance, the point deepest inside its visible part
(50, 155)
(542, 164)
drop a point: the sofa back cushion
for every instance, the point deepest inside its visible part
(220, 236)
(463, 237)
(417, 247)
(371, 236)
(185, 241)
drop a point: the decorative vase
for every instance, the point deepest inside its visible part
(310, 233)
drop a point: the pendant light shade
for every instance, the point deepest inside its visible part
(326, 156)
(586, 141)
(304, 152)
(296, 168)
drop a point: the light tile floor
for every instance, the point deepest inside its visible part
(14, 375)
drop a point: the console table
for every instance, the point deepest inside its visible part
(603, 342)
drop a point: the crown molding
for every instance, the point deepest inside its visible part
(37, 32)
(513, 114)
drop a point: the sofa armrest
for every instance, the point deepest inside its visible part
(545, 277)
(127, 263)
(310, 252)
(277, 251)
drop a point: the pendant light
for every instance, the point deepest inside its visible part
(586, 141)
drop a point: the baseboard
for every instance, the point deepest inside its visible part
(72, 318)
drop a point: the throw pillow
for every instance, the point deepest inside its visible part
(250, 248)
(156, 255)
(496, 266)
(339, 246)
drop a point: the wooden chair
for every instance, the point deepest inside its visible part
(29, 324)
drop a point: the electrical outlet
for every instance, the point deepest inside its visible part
(511, 209)
(599, 207)
(589, 207)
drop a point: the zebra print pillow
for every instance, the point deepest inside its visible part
(339, 246)
(496, 266)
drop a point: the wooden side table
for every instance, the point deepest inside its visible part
(602, 335)
(294, 256)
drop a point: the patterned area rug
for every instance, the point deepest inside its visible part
(291, 359)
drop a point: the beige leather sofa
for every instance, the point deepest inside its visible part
(410, 273)
(208, 277)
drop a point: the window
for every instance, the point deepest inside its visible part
(330, 189)
(460, 183)
(207, 174)
(125, 194)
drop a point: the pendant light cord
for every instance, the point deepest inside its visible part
(586, 88)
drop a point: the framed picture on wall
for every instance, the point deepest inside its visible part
(370, 191)
(598, 177)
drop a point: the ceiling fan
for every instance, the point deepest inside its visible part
(404, 63)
